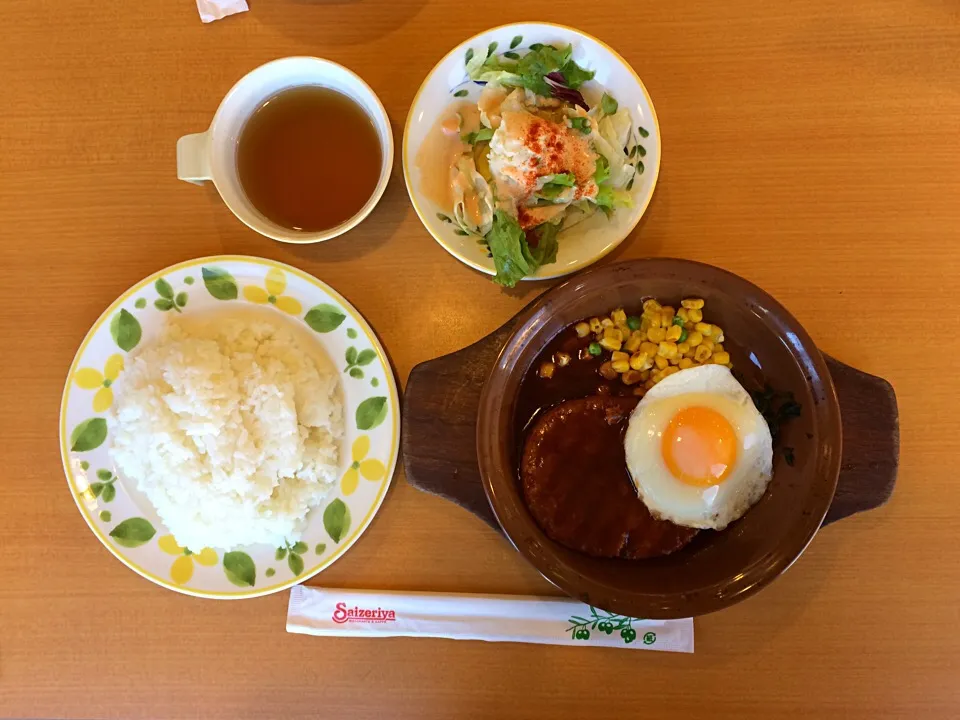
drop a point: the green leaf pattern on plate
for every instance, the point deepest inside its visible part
(324, 318)
(88, 435)
(240, 569)
(356, 360)
(336, 520)
(371, 412)
(133, 532)
(220, 284)
(125, 330)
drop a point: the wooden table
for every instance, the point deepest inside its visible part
(812, 147)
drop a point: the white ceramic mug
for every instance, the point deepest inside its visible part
(212, 155)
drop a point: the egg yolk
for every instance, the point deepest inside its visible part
(699, 446)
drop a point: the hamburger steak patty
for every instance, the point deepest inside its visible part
(577, 487)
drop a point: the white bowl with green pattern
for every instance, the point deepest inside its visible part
(125, 521)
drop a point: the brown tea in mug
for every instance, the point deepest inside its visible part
(309, 158)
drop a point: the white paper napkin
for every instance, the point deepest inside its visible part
(495, 618)
(211, 10)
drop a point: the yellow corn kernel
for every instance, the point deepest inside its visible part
(562, 359)
(705, 329)
(682, 314)
(619, 317)
(651, 305)
(683, 348)
(644, 324)
(685, 363)
(661, 362)
(621, 366)
(692, 303)
(694, 316)
(717, 346)
(610, 344)
(624, 329)
(670, 371)
(674, 332)
(640, 361)
(606, 322)
(645, 375)
(666, 318)
(657, 335)
(613, 334)
(667, 310)
(640, 391)
(708, 344)
(607, 371)
(617, 355)
(595, 325)
(630, 377)
(694, 339)
(649, 383)
(653, 322)
(583, 329)
(702, 354)
(650, 348)
(546, 370)
(718, 333)
(720, 358)
(632, 343)
(667, 349)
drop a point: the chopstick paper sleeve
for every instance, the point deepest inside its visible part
(494, 618)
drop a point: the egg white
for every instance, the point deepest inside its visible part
(714, 507)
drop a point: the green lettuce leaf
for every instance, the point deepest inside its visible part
(507, 243)
(513, 257)
(565, 179)
(535, 65)
(610, 198)
(608, 104)
(545, 251)
(575, 75)
(603, 170)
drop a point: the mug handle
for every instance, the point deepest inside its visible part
(193, 158)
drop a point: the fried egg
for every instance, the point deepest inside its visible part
(698, 450)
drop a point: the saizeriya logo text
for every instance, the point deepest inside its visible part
(343, 614)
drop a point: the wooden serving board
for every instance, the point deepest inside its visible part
(440, 425)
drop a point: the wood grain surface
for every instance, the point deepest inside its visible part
(812, 147)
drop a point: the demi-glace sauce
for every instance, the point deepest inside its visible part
(309, 158)
(571, 462)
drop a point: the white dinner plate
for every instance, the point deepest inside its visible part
(121, 516)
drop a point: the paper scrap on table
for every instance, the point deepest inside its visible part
(211, 10)
(495, 618)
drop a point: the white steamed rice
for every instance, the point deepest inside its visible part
(231, 429)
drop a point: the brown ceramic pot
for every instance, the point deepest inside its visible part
(767, 345)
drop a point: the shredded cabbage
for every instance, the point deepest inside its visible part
(484, 198)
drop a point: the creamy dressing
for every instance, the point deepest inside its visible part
(471, 200)
(489, 103)
(439, 156)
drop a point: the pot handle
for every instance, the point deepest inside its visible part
(440, 427)
(871, 441)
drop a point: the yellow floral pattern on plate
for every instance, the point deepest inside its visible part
(370, 469)
(275, 284)
(182, 569)
(90, 379)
